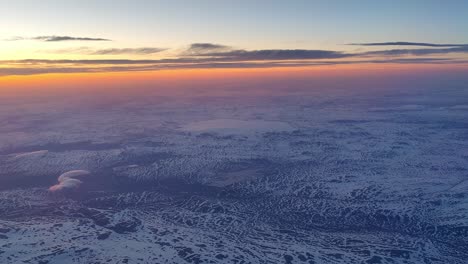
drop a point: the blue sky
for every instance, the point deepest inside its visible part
(142, 35)
(247, 24)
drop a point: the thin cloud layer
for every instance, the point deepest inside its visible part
(205, 48)
(136, 51)
(229, 54)
(31, 67)
(404, 43)
(109, 51)
(209, 55)
(297, 54)
(58, 38)
(418, 52)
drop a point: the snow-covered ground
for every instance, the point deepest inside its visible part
(331, 177)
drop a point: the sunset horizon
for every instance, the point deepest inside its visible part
(249, 131)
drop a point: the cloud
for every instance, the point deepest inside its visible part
(68, 38)
(203, 48)
(263, 55)
(227, 53)
(278, 54)
(136, 51)
(31, 67)
(209, 55)
(418, 61)
(404, 43)
(58, 38)
(38, 153)
(418, 52)
(109, 51)
(429, 48)
(16, 38)
(67, 180)
(77, 62)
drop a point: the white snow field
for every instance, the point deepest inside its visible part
(314, 177)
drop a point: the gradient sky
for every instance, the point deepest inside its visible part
(227, 34)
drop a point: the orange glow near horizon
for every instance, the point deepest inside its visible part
(184, 78)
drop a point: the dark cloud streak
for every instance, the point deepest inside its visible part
(298, 54)
(108, 51)
(417, 52)
(58, 38)
(197, 49)
(136, 51)
(227, 53)
(404, 43)
(208, 55)
(68, 38)
(29, 67)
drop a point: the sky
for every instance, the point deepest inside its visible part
(109, 36)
